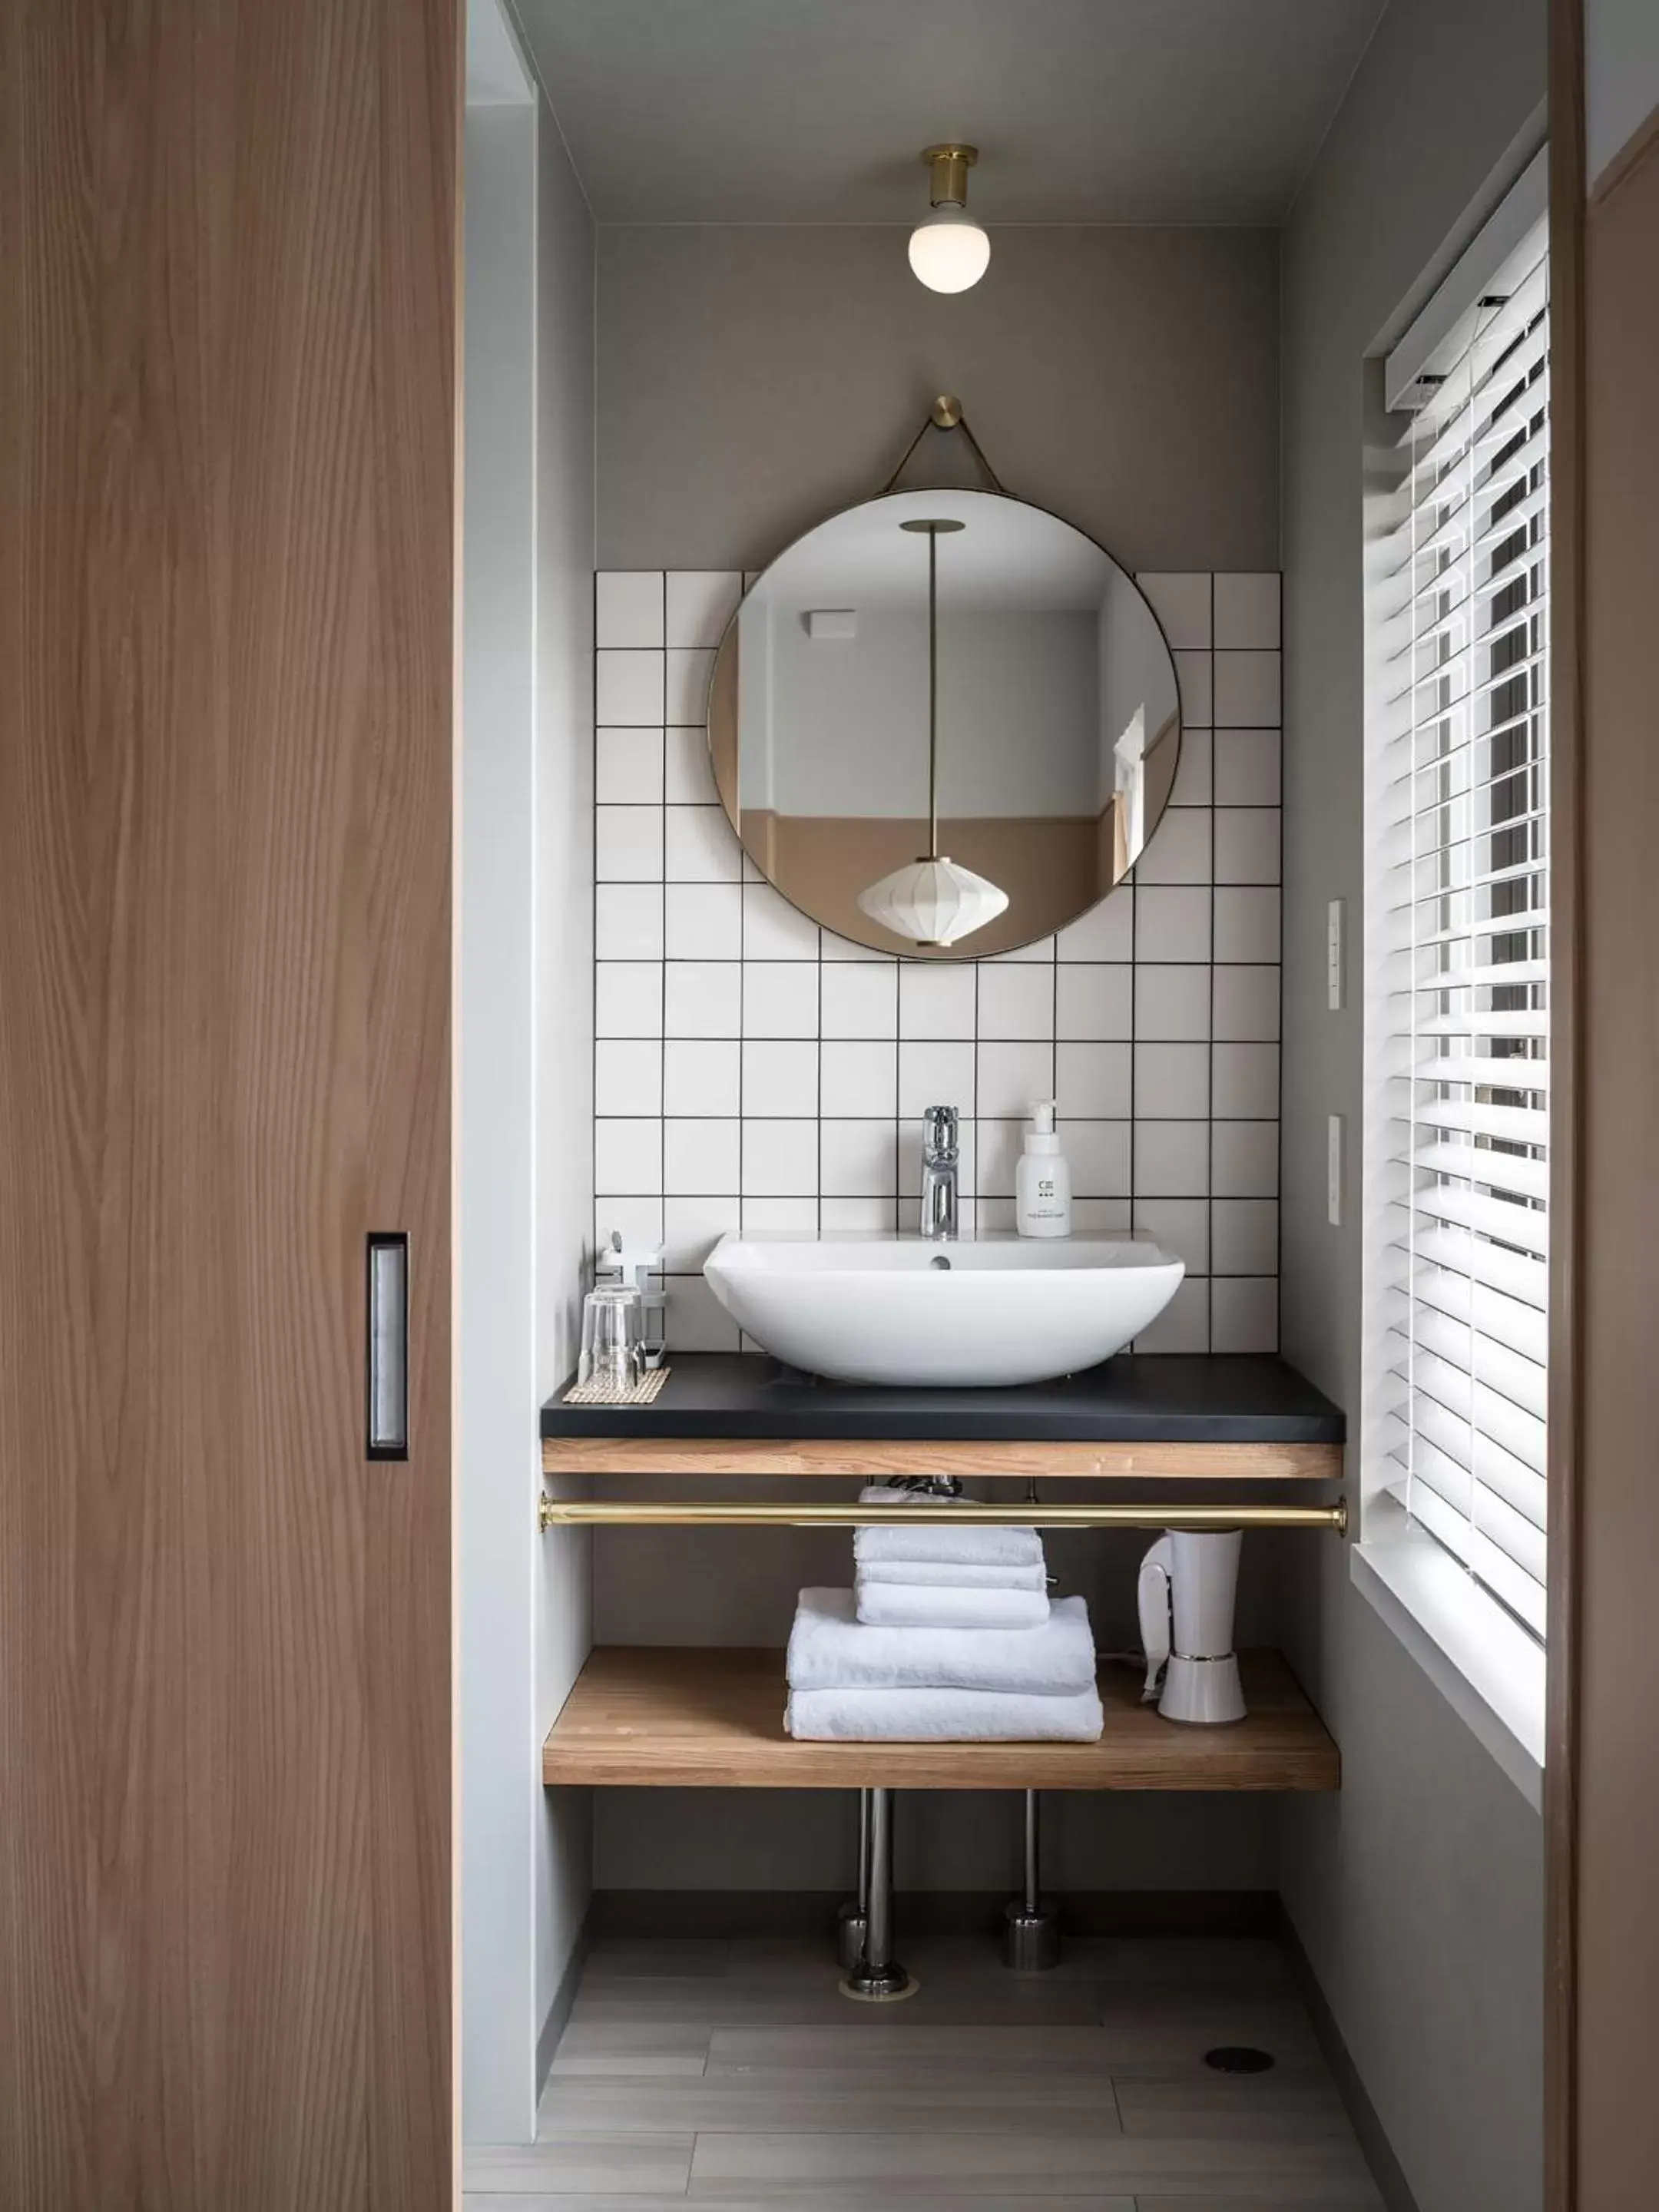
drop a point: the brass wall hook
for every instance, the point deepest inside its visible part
(947, 413)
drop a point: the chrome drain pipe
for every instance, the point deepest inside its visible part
(1030, 1932)
(879, 1978)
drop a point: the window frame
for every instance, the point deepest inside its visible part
(1490, 1666)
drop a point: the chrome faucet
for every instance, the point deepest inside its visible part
(939, 1174)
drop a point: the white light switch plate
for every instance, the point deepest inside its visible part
(832, 622)
(1334, 1171)
(1334, 953)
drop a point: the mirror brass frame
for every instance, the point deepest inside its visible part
(723, 734)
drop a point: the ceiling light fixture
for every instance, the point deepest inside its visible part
(949, 252)
(932, 902)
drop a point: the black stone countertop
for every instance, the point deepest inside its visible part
(1173, 1397)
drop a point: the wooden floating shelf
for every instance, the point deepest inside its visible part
(720, 1455)
(664, 1717)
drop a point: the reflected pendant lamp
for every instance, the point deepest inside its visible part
(932, 902)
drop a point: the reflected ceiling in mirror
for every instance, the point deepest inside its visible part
(1049, 689)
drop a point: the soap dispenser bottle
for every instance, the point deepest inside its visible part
(1042, 1182)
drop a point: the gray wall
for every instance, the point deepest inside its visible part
(689, 1587)
(729, 1027)
(751, 381)
(1621, 76)
(943, 1841)
(754, 378)
(1418, 1892)
(496, 1132)
(563, 1012)
(844, 716)
(526, 1025)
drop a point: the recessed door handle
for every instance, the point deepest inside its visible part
(388, 1345)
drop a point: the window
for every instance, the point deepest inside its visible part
(1457, 935)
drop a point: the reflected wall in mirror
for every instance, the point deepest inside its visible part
(1052, 695)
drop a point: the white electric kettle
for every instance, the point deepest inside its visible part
(1188, 1581)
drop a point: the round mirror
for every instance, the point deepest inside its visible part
(943, 723)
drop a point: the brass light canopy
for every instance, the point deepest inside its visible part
(949, 253)
(947, 172)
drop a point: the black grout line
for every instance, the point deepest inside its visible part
(743, 1040)
(663, 922)
(788, 960)
(897, 1148)
(1209, 1221)
(1279, 1086)
(770, 1036)
(876, 1121)
(594, 923)
(978, 1042)
(1133, 888)
(818, 1177)
(878, 1198)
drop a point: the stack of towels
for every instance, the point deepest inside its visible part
(948, 1635)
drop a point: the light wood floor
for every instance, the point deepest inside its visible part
(734, 2075)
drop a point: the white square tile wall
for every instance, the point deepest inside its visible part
(754, 1070)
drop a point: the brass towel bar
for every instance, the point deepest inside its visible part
(581, 1512)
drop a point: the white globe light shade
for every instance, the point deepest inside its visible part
(949, 252)
(932, 902)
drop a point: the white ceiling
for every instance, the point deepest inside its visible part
(814, 110)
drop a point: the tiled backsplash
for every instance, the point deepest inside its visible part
(755, 1071)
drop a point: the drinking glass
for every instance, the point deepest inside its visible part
(613, 1333)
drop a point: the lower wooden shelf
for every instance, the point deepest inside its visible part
(664, 1717)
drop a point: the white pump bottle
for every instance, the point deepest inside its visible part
(1042, 1181)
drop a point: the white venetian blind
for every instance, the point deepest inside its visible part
(1461, 916)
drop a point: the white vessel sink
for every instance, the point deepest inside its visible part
(895, 1309)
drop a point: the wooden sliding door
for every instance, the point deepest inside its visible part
(227, 339)
(1602, 1776)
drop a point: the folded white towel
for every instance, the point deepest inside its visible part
(944, 1575)
(943, 1717)
(830, 1649)
(927, 1605)
(970, 1547)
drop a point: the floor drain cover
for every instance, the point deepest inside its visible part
(1238, 2058)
